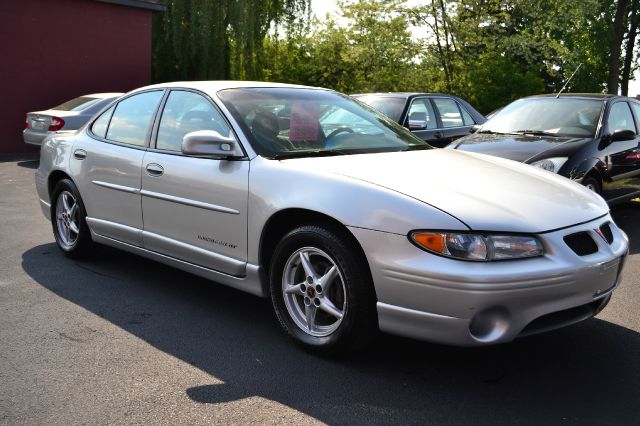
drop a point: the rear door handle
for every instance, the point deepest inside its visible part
(80, 154)
(437, 135)
(154, 169)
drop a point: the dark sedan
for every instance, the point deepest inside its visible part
(436, 118)
(591, 138)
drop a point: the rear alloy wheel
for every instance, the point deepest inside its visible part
(68, 219)
(322, 291)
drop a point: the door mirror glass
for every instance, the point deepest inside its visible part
(417, 121)
(211, 144)
(623, 135)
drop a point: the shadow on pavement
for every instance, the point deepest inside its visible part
(588, 373)
(29, 164)
(32, 154)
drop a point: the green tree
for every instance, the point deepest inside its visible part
(217, 39)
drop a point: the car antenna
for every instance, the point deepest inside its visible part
(565, 85)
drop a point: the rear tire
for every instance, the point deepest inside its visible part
(321, 290)
(68, 218)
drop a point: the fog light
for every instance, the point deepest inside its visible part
(490, 325)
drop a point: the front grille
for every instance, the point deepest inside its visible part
(606, 231)
(563, 318)
(581, 243)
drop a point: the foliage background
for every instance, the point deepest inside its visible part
(487, 51)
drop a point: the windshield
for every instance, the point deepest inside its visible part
(292, 122)
(389, 106)
(569, 117)
(77, 104)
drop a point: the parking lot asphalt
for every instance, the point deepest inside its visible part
(123, 340)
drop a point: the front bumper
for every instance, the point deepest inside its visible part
(443, 300)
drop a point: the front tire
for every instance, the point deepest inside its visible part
(322, 291)
(68, 218)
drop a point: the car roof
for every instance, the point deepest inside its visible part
(401, 94)
(103, 95)
(578, 95)
(217, 85)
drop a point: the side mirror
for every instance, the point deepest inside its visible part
(475, 128)
(211, 144)
(623, 135)
(417, 121)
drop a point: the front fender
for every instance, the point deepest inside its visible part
(579, 171)
(275, 186)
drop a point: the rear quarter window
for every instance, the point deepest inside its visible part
(99, 127)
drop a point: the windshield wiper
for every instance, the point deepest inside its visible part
(490, 132)
(309, 153)
(535, 133)
(417, 147)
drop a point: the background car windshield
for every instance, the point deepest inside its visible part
(77, 104)
(297, 121)
(562, 117)
(389, 106)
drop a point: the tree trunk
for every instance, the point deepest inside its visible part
(615, 46)
(631, 39)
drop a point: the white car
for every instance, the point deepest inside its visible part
(347, 221)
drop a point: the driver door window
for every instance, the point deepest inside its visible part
(187, 112)
(620, 118)
(423, 106)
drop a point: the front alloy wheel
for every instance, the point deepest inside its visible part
(314, 291)
(321, 289)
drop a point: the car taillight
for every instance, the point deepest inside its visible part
(56, 124)
(26, 122)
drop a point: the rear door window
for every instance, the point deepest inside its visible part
(449, 112)
(131, 120)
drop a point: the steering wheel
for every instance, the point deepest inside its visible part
(338, 131)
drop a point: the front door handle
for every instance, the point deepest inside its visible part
(154, 170)
(80, 154)
(437, 135)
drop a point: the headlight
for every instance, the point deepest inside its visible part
(550, 164)
(477, 247)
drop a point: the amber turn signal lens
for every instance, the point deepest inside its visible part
(433, 242)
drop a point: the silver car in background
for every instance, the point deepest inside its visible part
(348, 222)
(70, 115)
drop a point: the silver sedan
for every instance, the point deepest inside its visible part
(70, 115)
(348, 222)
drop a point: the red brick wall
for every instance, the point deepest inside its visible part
(53, 51)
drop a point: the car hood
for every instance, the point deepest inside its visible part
(486, 193)
(521, 148)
